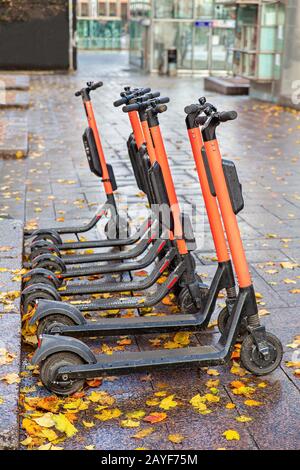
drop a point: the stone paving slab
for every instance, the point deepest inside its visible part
(10, 340)
(15, 82)
(11, 248)
(13, 135)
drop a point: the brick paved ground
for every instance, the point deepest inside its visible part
(264, 142)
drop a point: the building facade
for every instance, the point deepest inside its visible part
(201, 32)
(255, 39)
(102, 24)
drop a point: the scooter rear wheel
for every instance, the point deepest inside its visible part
(47, 324)
(222, 322)
(254, 362)
(39, 280)
(52, 238)
(50, 264)
(44, 250)
(30, 300)
(50, 367)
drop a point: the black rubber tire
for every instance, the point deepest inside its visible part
(48, 237)
(113, 229)
(30, 299)
(46, 323)
(222, 321)
(44, 251)
(38, 279)
(254, 362)
(48, 370)
(50, 265)
(186, 303)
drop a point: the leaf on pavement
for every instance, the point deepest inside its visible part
(64, 425)
(231, 435)
(155, 417)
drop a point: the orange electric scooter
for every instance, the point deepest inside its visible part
(66, 362)
(49, 240)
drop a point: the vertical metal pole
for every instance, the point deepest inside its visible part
(71, 64)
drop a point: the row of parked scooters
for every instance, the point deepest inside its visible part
(163, 244)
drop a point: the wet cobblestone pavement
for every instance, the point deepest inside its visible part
(56, 184)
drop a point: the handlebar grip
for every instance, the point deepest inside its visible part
(78, 93)
(143, 91)
(192, 108)
(120, 102)
(163, 100)
(131, 107)
(227, 116)
(155, 94)
(161, 108)
(96, 85)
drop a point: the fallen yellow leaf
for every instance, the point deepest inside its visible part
(231, 435)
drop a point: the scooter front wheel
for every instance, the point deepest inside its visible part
(50, 367)
(254, 361)
(186, 302)
(48, 324)
(222, 322)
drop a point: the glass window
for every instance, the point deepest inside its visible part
(124, 14)
(84, 9)
(201, 48)
(222, 41)
(102, 9)
(204, 8)
(173, 9)
(113, 9)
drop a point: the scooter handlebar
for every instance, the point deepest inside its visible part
(227, 116)
(131, 107)
(144, 105)
(192, 108)
(134, 94)
(96, 85)
(120, 102)
(90, 87)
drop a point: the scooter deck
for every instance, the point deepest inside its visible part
(82, 259)
(122, 267)
(156, 273)
(146, 360)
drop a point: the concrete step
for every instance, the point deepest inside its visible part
(14, 82)
(227, 85)
(14, 99)
(13, 134)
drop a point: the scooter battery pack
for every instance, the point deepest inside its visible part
(92, 152)
(134, 159)
(234, 186)
(232, 180)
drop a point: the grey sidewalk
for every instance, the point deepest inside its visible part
(264, 142)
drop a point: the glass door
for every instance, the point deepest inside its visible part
(201, 48)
